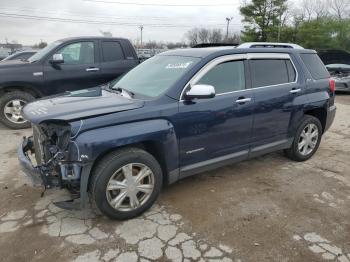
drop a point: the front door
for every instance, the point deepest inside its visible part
(214, 129)
(80, 68)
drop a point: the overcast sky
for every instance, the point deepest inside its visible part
(27, 21)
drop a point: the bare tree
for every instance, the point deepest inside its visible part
(234, 38)
(216, 36)
(192, 36)
(203, 35)
(153, 45)
(340, 8)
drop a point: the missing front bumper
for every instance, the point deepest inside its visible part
(33, 172)
(44, 176)
(40, 175)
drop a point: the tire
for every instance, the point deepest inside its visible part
(109, 169)
(308, 123)
(7, 101)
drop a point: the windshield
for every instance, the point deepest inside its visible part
(43, 52)
(154, 76)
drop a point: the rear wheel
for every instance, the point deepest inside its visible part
(11, 105)
(125, 183)
(307, 139)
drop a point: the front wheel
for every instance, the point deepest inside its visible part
(11, 105)
(307, 139)
(125, 183)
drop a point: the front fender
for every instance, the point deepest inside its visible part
(94, 143)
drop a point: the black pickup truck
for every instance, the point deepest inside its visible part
(65, 65)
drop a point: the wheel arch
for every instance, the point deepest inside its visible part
(320, 113)
(21, 87)
(152, 147)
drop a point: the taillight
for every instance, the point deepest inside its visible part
(332, 85)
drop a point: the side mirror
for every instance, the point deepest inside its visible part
(57, 59)
(200, 92)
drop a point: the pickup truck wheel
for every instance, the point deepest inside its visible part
(125, 183)
(307, 139)
(11, 105)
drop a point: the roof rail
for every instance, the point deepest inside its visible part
(203, 45)
(269, 45)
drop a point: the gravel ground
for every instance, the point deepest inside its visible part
(266, 209)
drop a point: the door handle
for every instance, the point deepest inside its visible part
(243, 100)
(294, 91)
(92, 69)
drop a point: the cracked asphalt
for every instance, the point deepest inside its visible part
(265, 209)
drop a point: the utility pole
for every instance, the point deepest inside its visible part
(279, 28)
(141, 29)
(228, 20)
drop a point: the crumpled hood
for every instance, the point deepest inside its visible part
(79, 105)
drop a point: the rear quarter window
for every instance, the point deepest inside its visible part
(112, 51)
(315, 66)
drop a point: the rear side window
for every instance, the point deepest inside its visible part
(268, 72)
(225, 77)
(315, 66)
(112, 51)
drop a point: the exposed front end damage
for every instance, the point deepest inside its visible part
(51, 157)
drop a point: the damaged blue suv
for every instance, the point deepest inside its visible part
(177, 114)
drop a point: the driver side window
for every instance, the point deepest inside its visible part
(225, 77)
(78, 53)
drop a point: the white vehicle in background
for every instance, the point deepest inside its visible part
(338, 64)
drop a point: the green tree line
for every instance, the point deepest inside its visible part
(313, 24)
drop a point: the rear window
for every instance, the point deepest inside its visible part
(112, 51)
(315, 66)
(268, 72)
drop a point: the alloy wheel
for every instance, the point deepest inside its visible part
(130, 187)
(308, 139)
(13, 111)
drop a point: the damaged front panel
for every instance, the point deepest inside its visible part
(57, 156)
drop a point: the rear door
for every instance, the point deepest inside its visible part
(116, 59)
(277, 87)
(80, 68)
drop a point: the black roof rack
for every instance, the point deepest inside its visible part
(203, 45)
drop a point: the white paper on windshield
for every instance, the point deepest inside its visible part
(178, 65)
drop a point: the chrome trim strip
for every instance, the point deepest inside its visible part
(209, 66)
(268, 56)
(226, 58)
